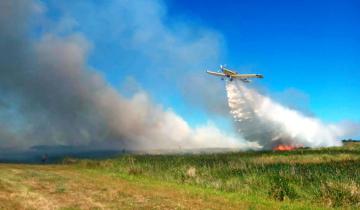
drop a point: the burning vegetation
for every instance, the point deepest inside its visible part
(284, 147)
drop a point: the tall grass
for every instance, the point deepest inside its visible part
(328, 176)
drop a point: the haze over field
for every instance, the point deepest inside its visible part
(51, 95)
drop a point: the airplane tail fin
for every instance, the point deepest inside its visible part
(222, 66)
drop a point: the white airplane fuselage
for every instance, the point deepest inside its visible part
(231, 75)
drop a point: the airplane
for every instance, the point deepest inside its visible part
(231, 74)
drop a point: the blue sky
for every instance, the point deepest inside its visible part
(312, 46)
(309, 47)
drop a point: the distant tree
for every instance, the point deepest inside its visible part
(350, 140)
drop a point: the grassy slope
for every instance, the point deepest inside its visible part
(288, 180)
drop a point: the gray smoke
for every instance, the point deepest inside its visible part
(171, 53)
(50, 96)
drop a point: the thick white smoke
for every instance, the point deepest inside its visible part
(49, 95)
(267, 122)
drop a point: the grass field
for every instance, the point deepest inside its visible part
(301, 179)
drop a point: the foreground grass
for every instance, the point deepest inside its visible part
(319, 177)
(302, 179)
(69, 187)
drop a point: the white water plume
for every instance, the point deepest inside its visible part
(260, 119)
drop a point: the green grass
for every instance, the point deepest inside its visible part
(328, 177)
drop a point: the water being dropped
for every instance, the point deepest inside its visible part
(260, 119)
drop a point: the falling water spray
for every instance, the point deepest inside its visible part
(260, 119)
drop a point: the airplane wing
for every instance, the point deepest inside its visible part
(247, 76)
(216, 73)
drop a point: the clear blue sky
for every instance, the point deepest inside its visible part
(312, 46)
(309, 45)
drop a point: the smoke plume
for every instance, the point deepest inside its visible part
(49, 95)
(260, 119)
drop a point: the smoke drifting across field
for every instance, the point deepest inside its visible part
(260, 119)
(49, 95)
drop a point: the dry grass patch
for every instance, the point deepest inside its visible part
(38, 187)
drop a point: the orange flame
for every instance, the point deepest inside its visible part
(283, 147)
